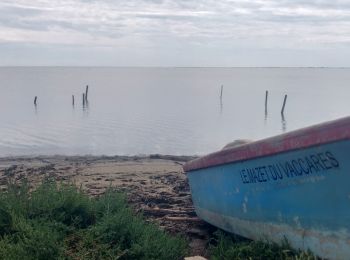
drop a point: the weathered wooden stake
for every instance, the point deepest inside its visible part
(266, 96)
(73, 100)
(86, 92)
(222, 87)
(35, 100)
(284, 104)
(83, 99)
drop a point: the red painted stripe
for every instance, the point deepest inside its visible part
(311, 136)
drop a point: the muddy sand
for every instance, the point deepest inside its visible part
(155, 185)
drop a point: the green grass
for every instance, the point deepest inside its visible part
(59, 221)
(225, 246)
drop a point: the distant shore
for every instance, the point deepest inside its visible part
(154, 184)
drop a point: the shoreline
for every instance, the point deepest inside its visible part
(154, 184)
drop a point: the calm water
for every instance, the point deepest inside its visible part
(170, 111)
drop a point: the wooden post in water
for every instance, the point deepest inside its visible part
(86, 92)
(266, 96)
(222, 88)
(73, 100)
(284, 104)
(35, 100)
(83, 99)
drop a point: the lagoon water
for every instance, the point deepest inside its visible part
(160, 110)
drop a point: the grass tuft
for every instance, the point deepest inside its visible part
(225, 246)
(59, 221)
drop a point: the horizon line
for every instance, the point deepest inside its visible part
(165, 67)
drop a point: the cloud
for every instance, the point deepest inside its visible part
(181, 24)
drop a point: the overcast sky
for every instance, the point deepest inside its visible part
(175, 32)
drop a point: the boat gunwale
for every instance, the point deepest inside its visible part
(328, 132)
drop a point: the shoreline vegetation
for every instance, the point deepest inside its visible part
(111, 207)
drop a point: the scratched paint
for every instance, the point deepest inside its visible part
(310, 208)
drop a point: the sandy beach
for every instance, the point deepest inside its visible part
(155, 185)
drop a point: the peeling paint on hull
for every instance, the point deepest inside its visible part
(302, 195)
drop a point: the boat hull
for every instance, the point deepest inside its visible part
(301, 195)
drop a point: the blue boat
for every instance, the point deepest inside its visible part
(294, 186)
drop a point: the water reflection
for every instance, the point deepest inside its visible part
(86, 108)
(221, 107)
(284, 123)
(85, 105)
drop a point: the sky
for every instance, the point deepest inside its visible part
(205, 33)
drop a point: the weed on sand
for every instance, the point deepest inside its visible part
(59, 221)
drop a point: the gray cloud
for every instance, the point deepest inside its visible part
(185, 25)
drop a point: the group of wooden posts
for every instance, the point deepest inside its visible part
(266, 97)
(85, 97)
(283, 106)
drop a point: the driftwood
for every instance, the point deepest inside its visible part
(162, 212)
(186, 219)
